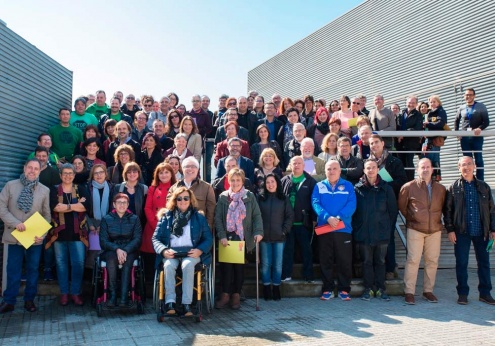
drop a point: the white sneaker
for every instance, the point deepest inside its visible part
(287, 279)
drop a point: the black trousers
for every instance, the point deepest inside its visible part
(112, 265)
(373, 265)
(336, 248)
(232, 277)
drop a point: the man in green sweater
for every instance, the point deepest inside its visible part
(80, 118)
(65, 137)
(99, 107)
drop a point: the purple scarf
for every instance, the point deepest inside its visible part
(236, 212)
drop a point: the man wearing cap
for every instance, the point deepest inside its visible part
(80, 118)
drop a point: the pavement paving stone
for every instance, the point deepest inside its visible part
(298, 321)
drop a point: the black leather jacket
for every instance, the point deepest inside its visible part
(455, 211)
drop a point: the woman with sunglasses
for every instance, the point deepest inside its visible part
(174, 119)
(237, 218)
(120, 237)
(182, 237)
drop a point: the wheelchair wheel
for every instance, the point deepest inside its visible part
(209, 294)
(157, 302)
(96, 282)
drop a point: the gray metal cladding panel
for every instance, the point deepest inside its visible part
(396, 48)
(33, 87)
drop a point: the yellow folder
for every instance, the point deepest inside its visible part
(232, 253)
(36, 225)
(352, 122)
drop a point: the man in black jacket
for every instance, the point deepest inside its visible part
(123, 137)
(409, 120)
(470, 217)
(392, 171)
(299, 186)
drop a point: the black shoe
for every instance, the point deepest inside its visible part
(267, 293)
(487, 299)
(4, 307)
(112, 300)
(276, 292)
(29, 306)
(170, 308)
(187, 310)
(462, 300)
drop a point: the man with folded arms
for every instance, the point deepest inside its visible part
(334, 200)
(421, 202)
(19, 200)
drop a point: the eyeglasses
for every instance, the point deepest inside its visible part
(130, 98)
(124, 154)
(142, 118)
(99, 173)
(190, 167)
(121, 202)
(180, 199)
(68, 173)
(148, 105)
(132, 171)
(196, 100)
(355, 103)
(174, 116)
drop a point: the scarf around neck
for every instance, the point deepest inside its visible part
(25, 200)
(236, 212)
(181, 219)
(100, 206)
(380, 160)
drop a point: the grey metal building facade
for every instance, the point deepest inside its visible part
(33, 87)
(396, 48)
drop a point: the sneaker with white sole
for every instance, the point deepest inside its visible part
(327, 295)
(344, 295)
(287, 279)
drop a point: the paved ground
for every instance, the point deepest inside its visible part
(302, 321)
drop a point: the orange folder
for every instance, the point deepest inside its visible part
(327, 228)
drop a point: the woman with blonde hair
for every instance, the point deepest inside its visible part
(268, 164)
(237, 218)
(436, 119)
(328, 146)
(182, 237)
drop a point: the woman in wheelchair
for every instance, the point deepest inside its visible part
(182, 236)
(120, 238)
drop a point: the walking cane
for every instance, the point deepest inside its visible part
(257, 278)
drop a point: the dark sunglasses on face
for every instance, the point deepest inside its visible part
(185, 199)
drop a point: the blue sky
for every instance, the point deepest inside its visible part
(154, 47)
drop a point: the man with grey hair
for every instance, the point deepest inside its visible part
(161, 114)
(293, 147)
(277, 100)
(202, 190)
(19, 200)
(129, 107)
(421, 202)
(202, 119)
(382, 119)
(313, 165)
(362, 148)
(362, 104)
(234, 147)
(253, 93)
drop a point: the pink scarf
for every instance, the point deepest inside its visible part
(236, 212)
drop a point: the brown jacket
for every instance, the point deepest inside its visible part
(204, 194)
(422, 215)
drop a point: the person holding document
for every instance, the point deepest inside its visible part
(375, 216)
(237, 218)
(392, 171)
(334, 201)
(19, 200)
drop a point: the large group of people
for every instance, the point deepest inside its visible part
(123, 179)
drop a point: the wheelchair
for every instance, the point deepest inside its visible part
(101, 291)
(203, 291)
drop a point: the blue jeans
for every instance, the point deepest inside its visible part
(474, 143)
(48, 256)
(70, 252)
(272, 255)
(303, 237)
(16, 255)
(170, 266)
(461, 250)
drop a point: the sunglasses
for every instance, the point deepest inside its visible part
(355, 103)
(174, 116)
(180, 199)
(232, 104)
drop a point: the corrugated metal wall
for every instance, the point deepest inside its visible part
(396, 48)
(33, 87)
